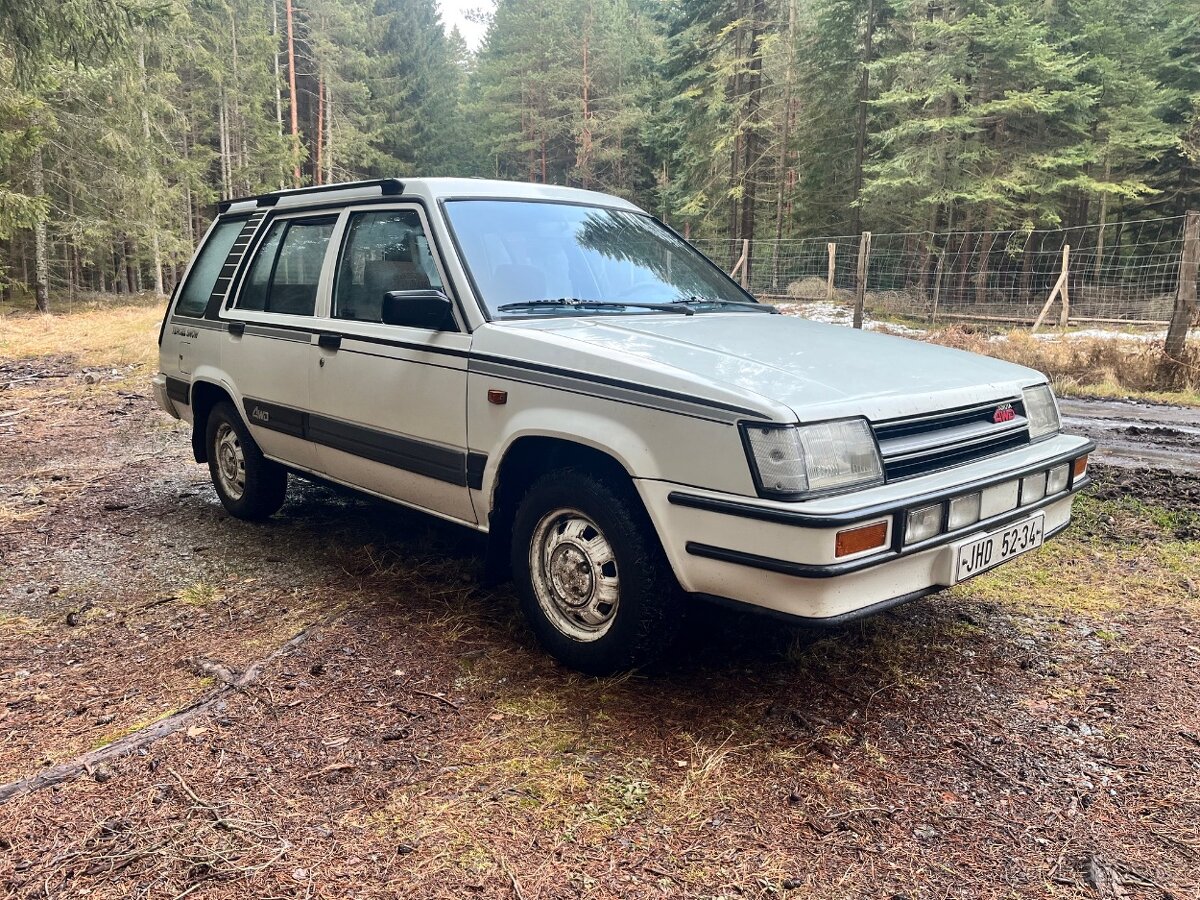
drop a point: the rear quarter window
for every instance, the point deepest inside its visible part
(198, 288)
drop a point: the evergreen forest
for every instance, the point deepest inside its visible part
(123, 121)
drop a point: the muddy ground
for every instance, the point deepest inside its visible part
(1136, 435)
(1034, 733)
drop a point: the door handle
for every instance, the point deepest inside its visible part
(237, 329)
(329, 341)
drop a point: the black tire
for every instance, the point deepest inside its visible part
(644, 620)
(264, 486)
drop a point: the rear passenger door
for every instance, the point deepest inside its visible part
(270, 348)
(389, 402)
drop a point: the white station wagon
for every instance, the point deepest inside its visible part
(633, 431)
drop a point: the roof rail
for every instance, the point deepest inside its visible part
(387, 187)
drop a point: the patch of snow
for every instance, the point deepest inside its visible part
(1106, 334)
(840, 314)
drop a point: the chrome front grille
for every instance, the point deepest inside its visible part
(917, 445)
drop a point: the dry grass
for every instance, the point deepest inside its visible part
(97, 335)
(1092, 367)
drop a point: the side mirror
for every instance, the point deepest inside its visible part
(418, 309)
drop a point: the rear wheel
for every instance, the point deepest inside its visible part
(592, 578)
(250, 485)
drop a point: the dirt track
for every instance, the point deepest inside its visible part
(1033, 733)
(1138, 435)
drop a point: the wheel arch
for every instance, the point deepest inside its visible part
(205, 395)
(525, 459)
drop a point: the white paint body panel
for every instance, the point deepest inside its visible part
(660, 393)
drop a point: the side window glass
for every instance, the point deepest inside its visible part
(287, 268)
(258, 279)
(384, 251)
(193, 299)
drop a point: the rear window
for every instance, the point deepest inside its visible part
(198, 288)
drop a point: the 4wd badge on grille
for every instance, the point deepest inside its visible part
(1004, 413)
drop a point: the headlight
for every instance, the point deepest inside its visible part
(1042, 412)
(794, 460)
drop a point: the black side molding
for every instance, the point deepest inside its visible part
(446, 464)
(476, 463)
(179, 390)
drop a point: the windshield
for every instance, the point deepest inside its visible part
(521, 252)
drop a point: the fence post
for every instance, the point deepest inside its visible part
(860, 297)
(1065, 313)
(746, 263)
(739, 268)
(831, 248)
(1060, 288)
(1185, 299)
(937, 287)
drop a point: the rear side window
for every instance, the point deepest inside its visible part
(193, 299)
(284, 275)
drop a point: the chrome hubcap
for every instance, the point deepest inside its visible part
(574, 574)
(231, 462)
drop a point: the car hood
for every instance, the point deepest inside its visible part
(815, 370)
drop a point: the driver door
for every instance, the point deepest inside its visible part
(389, 402)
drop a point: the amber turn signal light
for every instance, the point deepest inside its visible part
(864, 537)
(499, 398)
(1080, 466)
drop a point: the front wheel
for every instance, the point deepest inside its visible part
(250, 485)
(591, 575)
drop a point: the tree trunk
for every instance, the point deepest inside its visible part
(5, 280)
(781, 163)
(751, 164)
(155, 244)
(130, 278)
(1099, 264)
(328, 135)
(1184, 314)
(1024, 287)
(275, 59)
(583, 159)
(735, 154)
(76, 270)
(318, 172)
(293, 100)
(860, 134)
(223, 141)
(236, 125)
(41, 262)
(187, 189)
(988, 240)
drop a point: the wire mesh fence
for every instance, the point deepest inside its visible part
(1123, 272)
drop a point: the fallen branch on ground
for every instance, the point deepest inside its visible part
(143, 737)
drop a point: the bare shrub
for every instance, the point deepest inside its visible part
(1135, 366)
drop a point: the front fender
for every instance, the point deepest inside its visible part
(648, 444)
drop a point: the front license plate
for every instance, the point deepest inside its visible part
(999, 546)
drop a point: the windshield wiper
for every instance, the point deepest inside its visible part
(695, 300)
(576, 303)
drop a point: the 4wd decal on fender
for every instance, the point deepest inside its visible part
(260, 414)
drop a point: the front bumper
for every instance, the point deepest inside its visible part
(782, 557)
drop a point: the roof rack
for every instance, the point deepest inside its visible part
(388, 187)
